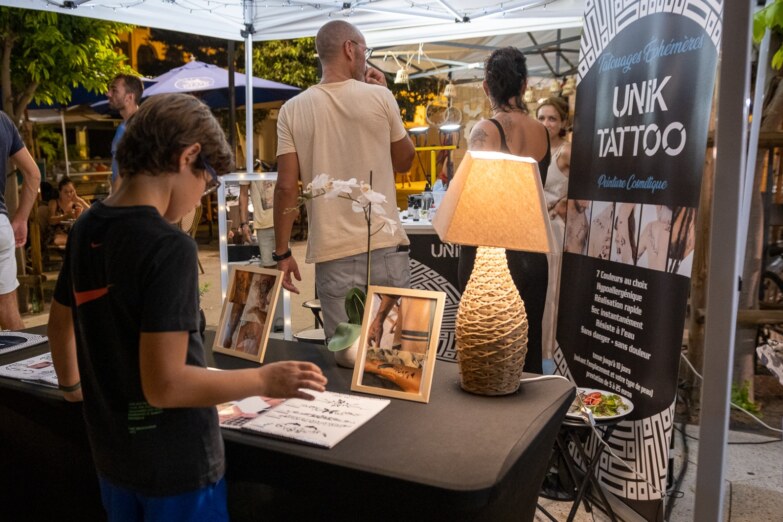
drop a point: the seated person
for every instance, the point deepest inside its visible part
(63, 210)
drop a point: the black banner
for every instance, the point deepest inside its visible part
(647, 72)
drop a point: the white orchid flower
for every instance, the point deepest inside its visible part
(341, 186)
(389, 225)
(320, 182)
(362, 202)
(378, 210)
(371, 196)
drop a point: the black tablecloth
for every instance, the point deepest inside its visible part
(462, 456)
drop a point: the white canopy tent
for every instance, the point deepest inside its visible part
(383, 22)
(550, 53)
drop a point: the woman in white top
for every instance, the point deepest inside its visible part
(553, 113)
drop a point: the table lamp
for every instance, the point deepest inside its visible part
(494, 202)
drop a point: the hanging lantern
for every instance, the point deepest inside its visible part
(450, 91)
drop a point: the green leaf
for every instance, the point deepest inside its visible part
(54, 52)
(344, 336)
(774, 15)
(354, 305)
(777, 59)
(759, 26)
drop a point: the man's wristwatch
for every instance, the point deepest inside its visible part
(284, 255)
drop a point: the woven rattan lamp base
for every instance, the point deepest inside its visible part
(491, 329)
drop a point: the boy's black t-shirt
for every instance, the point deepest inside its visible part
(127, 271)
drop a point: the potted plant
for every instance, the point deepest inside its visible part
(344, 343)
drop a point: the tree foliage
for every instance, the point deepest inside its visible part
(288, 61)
(179, 46)
(292, 62)
(45, 54)
(771, 17)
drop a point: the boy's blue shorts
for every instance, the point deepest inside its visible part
(125, 505)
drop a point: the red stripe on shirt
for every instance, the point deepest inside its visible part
(89, 295)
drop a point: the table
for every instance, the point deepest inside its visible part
(461, 457)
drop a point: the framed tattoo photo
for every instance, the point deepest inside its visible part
(398, 344)
(248, 312)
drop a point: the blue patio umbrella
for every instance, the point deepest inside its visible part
(210, 83)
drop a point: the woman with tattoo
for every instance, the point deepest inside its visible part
(513, 131)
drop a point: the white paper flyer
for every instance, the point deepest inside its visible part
(322, 422)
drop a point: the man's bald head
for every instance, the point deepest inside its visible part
(331, 37)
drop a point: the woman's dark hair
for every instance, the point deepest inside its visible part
(162, 128)
(506, 74)
(63, 182)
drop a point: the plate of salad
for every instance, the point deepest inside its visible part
(605, 405)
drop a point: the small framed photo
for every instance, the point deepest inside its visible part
(248, 312)
(398, 344)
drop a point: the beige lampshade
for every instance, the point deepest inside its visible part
(496, 200)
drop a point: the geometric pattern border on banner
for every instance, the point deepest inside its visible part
(424, 277)
(604, 20)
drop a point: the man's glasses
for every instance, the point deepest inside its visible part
(367, 50)
(214, 181)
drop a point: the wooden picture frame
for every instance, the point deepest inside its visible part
(398, 343)
(248, 312)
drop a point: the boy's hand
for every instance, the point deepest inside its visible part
(284, 379)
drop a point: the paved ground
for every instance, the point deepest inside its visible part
(754, 471)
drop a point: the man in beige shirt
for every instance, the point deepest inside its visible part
(346, 126)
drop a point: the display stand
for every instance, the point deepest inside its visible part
(576, 432)
(236, 177)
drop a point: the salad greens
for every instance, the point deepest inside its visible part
(603, 404)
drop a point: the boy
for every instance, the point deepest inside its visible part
(127, 302)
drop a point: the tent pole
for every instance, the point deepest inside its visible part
(232, 98)
(755, 125)
(65, 144)
(248, 34)
(722, 272)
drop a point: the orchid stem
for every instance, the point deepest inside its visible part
(367, 215)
